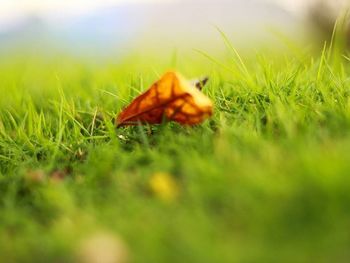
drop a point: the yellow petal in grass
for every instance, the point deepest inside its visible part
(164, 187)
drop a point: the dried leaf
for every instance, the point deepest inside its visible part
(200, 83)
(172, 98)
(35, 176)
(57, 176)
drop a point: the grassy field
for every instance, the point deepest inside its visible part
(266, 179)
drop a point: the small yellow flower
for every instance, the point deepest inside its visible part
(164, 186)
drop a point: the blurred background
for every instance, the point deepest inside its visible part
(116, 28)
(265, 178)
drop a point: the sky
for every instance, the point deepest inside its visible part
(76, 21)
(12, 9)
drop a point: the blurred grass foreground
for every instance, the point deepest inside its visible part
(266, 179)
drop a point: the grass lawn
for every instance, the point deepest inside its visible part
(266, 179)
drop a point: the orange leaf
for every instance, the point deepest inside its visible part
(171, 98)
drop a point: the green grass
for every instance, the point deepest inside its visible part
(266, 179)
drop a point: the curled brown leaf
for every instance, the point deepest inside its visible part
(172, 98)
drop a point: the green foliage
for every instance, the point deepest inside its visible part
(265, 180)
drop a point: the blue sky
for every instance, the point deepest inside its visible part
(13, 10)
(10, 9)
(95, 24)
